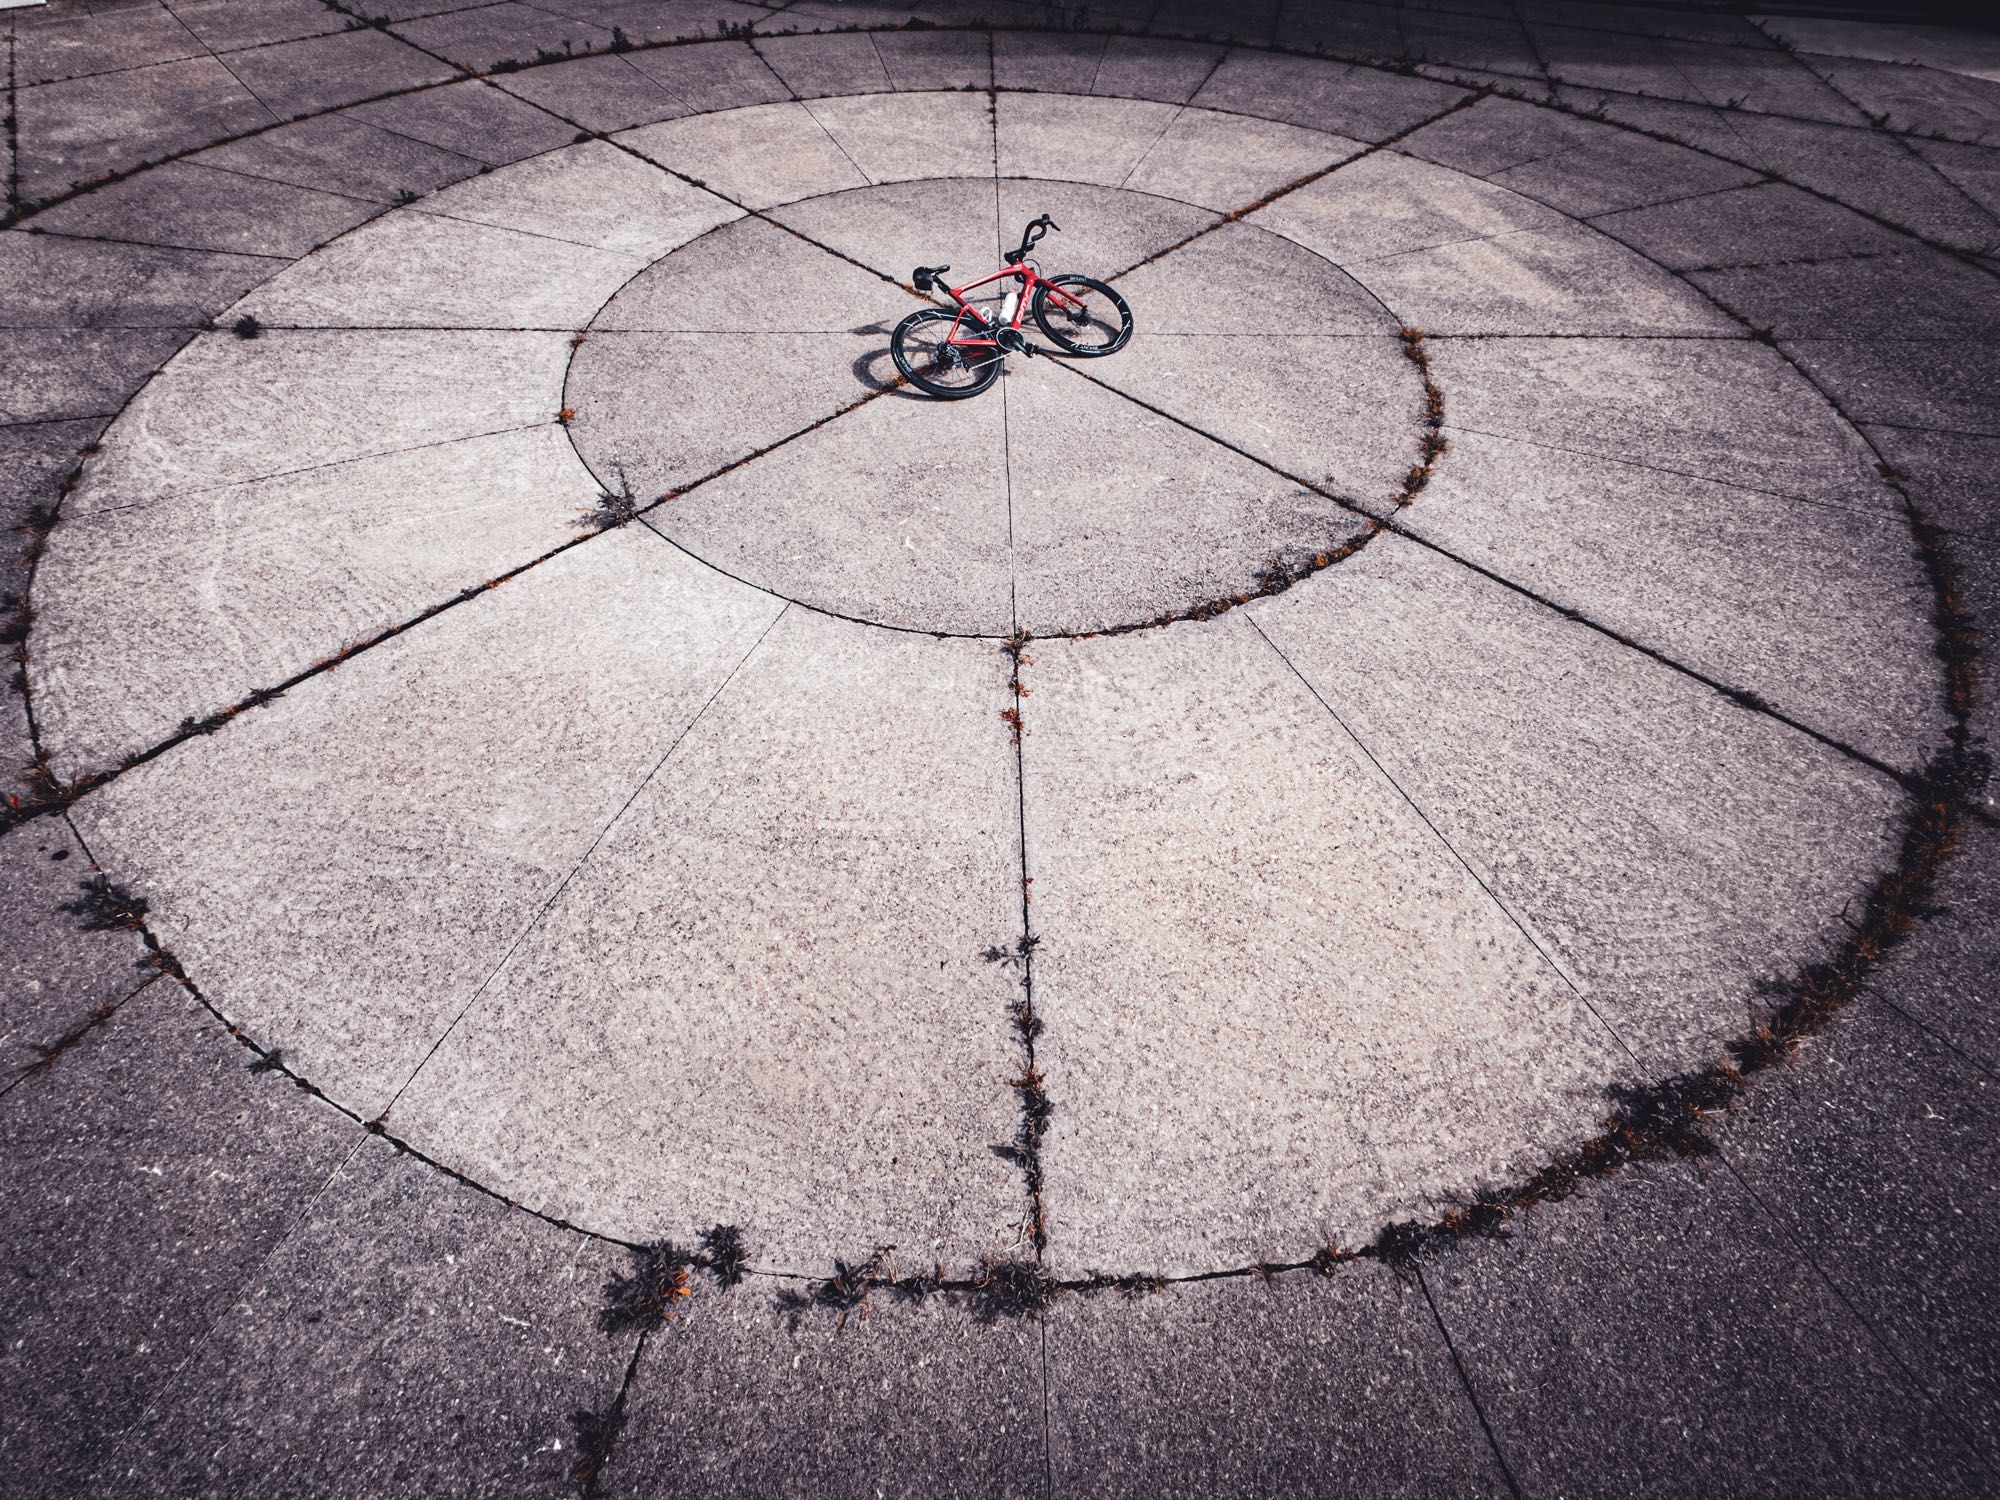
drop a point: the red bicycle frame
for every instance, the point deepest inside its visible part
(1030, 279)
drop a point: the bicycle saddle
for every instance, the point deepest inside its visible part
(926, 277)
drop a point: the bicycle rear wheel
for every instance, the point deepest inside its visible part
(924, 352)
(1098, 323)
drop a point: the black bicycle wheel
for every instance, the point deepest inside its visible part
(1101, 324)
(923, 352)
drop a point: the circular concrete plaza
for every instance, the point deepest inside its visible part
(1467, 690)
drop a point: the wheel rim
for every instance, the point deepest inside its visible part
(1096, 323)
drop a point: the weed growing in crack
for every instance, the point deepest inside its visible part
(723, 1254)
(1012, 1289)
(106, 906)
(247, 327)
(614, 508)
(271, 1062)
(652, 1293)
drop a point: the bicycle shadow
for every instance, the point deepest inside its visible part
(876, 368)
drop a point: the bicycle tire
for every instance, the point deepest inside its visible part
(929, 366)
(1049, 319)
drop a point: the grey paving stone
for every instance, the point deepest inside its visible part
(1156, 521)
(1496, 43)
(1341, 413)
(723, 282)
(1250, 21)
(1300, 1387)
(320, 73)
(1387, 204)
(147, 1176)
(178, 609)
(1647, 21)
(1973, 170)
(899, 226)
(814, 67)
(1913, 100)
(186, 206)
(35, 458)
(1876, 1150)
(54, 970)
(1923, 295)
(59, 374)
(1730, 410)
(231, 409)
(897, 513)
(1364, 103)
(1916, 383)
(412, 1336)
(1946, 474)
(73, 131)
(1571, 281)
(734, 1401)
(635, 414)
(484, 36)
(759, 156)
(343, 155)
(936, 59)
(461, 769)
(226, 25)
(472, 118)
(598, 93)
(1497, 134)
(1054, 64)
(1822, 611)
(1038, 135)
(782, 932)
(1748, 226)
(899, 137)
(1195, 814)
(55, 282)
(1938, 47)
(1667, 847)
(1621, 171)
(1868, 171)
(591, 194)
(1227, 162)
(1658, 1332)
(714, 75)
(52, 47)
(1146, 68)
(418, 270)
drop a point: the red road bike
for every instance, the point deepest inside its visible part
(955, 352)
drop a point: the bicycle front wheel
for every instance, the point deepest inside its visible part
(923, 349)
(1087, 319)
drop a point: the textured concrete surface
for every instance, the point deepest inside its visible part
(1552, 699)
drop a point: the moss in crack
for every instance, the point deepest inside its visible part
(106, 906)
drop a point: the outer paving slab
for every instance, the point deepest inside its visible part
(761, 999)
(409, 1335)
(638, 636)
(1284, 938)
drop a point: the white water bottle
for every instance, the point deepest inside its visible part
(1007, 308)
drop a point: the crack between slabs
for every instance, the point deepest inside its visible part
(1173, 119)
(1741, 697)
(1505, 907)
(216, 58)
(1917, 1023)
(56, 796)
(866, 180)
(1235, 215)
(13, 127)
(110, 239)
(53, 1052)
(563, 885)
(1465, 1383)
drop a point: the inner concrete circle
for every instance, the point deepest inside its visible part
(1055, 505)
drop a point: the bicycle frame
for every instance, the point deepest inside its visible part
(1028, 276)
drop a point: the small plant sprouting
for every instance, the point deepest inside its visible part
(620, 42)
(723, 1254)
(247, 327)
(106, 906)
(614, 508)
(1012, 1289)
(652, 1293)
(269, 1062)
(566, 416)
(596, 1435)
